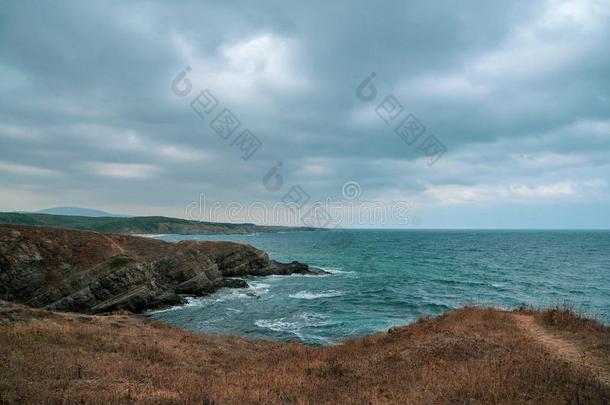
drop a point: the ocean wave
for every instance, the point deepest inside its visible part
(160, 311)
(283, 276)
(275, 325)
(335, 270)
(434, 306)
(190, 302)
(223, 295)
(150, 235)
(308, 295)
(454, 281)
(227, 296)
(294, 324)
(258, 286)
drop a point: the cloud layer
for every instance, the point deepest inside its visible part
(518, 92)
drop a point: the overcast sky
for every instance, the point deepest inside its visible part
(517, 93)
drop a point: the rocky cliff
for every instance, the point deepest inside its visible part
(91, 272)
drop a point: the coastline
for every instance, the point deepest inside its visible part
(91, 272)
(86, 345)
(147, 225)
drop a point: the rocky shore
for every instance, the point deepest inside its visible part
(91, 272)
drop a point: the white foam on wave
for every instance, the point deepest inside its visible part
(282, 276)
(256, 289)
(275, 325)
(190, 302)
(308, 295)
(150, 235)
(160, 311)
(335, 270)
(227, 295)
(294, 324)
(259, 288)
(258, 285)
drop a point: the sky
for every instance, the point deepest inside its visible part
(476, 115)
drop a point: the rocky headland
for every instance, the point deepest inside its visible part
(91, 272)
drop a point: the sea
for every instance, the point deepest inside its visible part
(381, 278)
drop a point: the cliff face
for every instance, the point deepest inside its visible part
(83, 271)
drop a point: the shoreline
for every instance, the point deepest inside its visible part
(88, 346)
(92, 272)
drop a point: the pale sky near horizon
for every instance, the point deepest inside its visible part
(518, 92)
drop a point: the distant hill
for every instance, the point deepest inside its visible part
(137, 225)
(77, 211)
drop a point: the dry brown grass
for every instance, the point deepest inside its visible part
(591, 337)
(566, 318)
(465, 356)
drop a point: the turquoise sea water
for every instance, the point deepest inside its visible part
(382, 278)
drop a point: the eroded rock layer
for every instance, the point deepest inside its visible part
(91, 272)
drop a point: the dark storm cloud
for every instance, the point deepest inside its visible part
(518, 91)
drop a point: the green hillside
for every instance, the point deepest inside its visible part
(136, 225)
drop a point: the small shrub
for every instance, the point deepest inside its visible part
(118, 262)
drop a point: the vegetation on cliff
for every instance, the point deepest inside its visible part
(137, 225)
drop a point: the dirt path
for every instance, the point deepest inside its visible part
(563, 348)
(112, 242)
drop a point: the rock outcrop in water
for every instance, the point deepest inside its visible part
(91, 272)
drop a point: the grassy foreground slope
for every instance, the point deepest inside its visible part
(136, 225)
(466, 356)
